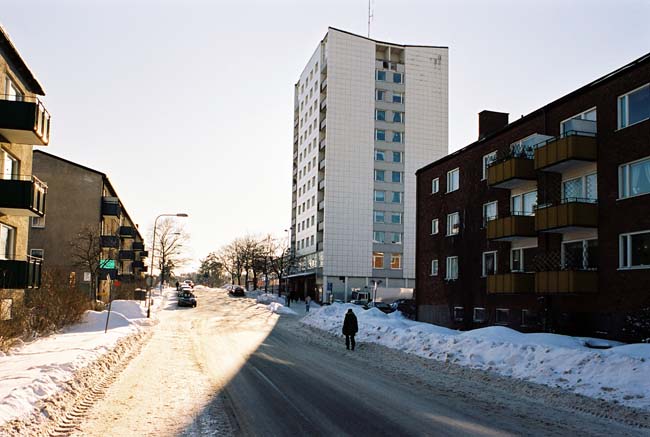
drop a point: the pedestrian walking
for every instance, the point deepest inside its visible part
(307, 302)
(350, 328)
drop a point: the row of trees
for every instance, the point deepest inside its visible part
(248, 258)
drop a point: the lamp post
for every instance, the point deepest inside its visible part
(153, 254)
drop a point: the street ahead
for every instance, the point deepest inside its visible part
(231, 367)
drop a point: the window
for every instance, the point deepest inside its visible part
(434, 227)
(397, 77)
(396, 177)
(489, 212)
(582, 189)
(380, 115)
(434, 267)
(380, 196)
(9, 166)
(312, 240)
(458, 314)
(397, 156)
(435, 185)
(378, 260)
(396, 197)
(489, 266)
(396, 218)
(634, 107)
(7, 238)
(398, 97)
(502, 316)
(580, 255)
(37, 253)
(634, 178)
(380, 155)
(379, 217)
(524, 204)
(398, 117)
(38, 222)
(634, 250)
(398, 137)
(396, 237)
(12, 91)
(380, 135)
(479, 315)
(378, 237)
(380, 95)
(380, 175)
(453, 224)
(453, 180)
(396, 261)
(452, 268)
(381, 75)
(487, 160)
(6, 306)
(521, 259)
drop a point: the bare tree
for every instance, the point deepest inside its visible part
(280, 260)
(87, 254)
(170, 246)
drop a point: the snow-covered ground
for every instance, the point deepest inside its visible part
(617, 374)
(273, 303)
(39, 369)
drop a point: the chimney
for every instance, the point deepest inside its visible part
(490, 122)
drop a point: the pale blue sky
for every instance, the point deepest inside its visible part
(187, 104)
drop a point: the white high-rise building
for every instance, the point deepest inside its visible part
(367, 115)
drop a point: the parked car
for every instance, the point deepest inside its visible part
(406, 307)
(184, 289)
(381, 306)
(187, 300)
(236, 290)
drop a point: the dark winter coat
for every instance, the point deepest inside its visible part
(350, 326)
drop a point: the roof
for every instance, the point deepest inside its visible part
(385, 42)
(572, 94)
(105, 178)
(19, 63)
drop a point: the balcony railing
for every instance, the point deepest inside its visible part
(567, 151)
(511, 171)
(127, 254)
(137, 245)
(321, 205)
(323, 123)
(570, 214)
(321, 164)
(321, 185)
(511, 283)
(20, 272)
(511, 227)
(566, 281)
(323, 85)
(144, 253)
(109, 241)
(323, 143)
(127, 232)
(323, 104)
(111, 207)
(24, 120)
(137, 264)
(23, 196)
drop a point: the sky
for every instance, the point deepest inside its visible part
(187, 105)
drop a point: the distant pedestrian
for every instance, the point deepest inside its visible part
(177, 286)
(307, 302)
(350, 328)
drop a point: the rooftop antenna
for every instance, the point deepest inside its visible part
(370, 14)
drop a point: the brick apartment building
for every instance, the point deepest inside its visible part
(24, 123)
(544, 223)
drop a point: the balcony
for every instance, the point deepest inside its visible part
(127, 254)
(511, 172)
(111, 207)
(321, 185)
(21, 273)
(323, 143)
(511, 228)
(137, 264)
(566, 152)
(137, 245)
(572, 214)
(109, 241)
(511, 283)
(321, 205)
(144, 253)
(319, 246)
(321, 226)
(566, 281)
(127, 232)
(323, 85)
(321, 164)
(323, 123)
(24, 122)
(104, 273)
(323, 104)
(23, 197)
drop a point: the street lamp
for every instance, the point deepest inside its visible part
(153, 254)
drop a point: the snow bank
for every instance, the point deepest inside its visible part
(130, 309)
(278, 308)
(617, 374)
(267, 298)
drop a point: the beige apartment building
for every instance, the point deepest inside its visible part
(24, 122)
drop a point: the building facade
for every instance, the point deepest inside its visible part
(83, 200)
(544, 223)
(24, 122)
(367, 115)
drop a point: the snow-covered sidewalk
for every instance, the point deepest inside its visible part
(39, 369)
(618, 374)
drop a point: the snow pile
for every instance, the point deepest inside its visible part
(267, 298)
(617, 374)
(278, 308)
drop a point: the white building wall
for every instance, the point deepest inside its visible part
(426, 138)
(349, 155)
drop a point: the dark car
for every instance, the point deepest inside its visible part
(187, 300)
(381, 306)
(236, 290)
(406, 307)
